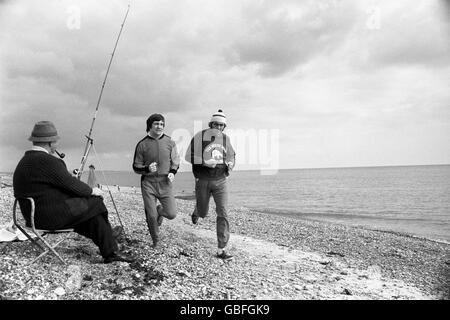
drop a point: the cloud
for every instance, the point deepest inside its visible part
(279, 37)
(410, 36)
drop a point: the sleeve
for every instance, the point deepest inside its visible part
(189, 153)
(231, 154)
(194, 153)
(139, 166)
(174, 158)
(56, 172)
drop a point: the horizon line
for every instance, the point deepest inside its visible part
(304, 168)
(313, 168)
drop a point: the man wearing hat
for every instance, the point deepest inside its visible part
(212, 157)
(62, 201)
(157, 160)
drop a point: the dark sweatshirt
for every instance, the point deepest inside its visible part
(207, 144)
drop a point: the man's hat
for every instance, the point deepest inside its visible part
(44, 131)
(219, 117)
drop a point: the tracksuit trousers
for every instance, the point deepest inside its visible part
(218, 189)
(154, 189)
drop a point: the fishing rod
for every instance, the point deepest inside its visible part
(89, 143)
(78, 172)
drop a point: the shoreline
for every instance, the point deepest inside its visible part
(399, 233)
(276, 257)
(189, 197)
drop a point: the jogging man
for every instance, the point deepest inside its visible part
(157, 160)
(212, 158)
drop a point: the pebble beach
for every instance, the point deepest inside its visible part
(276, 257)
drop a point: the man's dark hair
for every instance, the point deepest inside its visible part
(154, 117)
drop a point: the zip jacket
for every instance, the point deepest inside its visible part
(163, 151)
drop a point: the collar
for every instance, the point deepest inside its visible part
(37, 148)
(149, 135)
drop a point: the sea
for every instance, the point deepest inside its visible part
(407, 199)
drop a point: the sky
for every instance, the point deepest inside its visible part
(304, 84)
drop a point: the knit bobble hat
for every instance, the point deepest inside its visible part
(219, 117)
(154, 117)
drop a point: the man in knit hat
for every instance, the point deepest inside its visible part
(62, 201)
(157, 160)
(212, 157)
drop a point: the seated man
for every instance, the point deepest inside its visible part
(62, 201)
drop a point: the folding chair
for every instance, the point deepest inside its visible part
(38, 232)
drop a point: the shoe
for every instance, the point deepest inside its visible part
(160, 218)
(155, 241)
(224, 256)
(194, 216)
(117, 231)
(118, 256)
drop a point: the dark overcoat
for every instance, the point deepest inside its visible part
(62, 201)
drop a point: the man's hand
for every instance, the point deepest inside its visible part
(230, 165)
(211, 163)
(152, 167)
(171, 177)
(97, 192)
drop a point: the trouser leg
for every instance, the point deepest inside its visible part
(167, 200)
(202, 196)
(99, 230)
(220, 195)
(151, 214)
